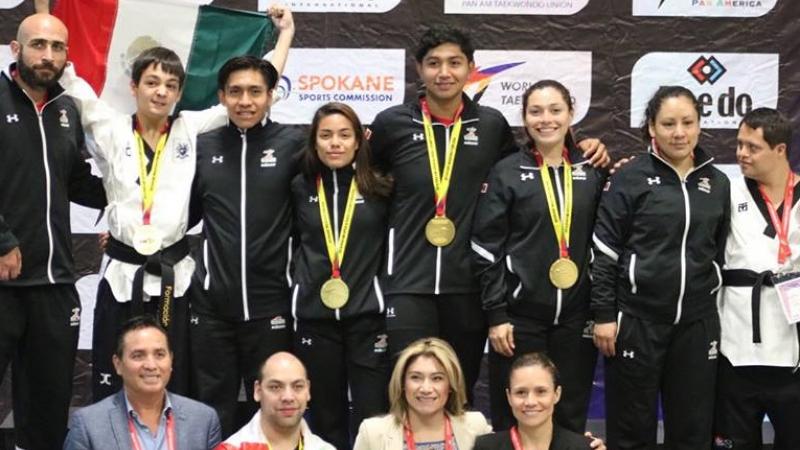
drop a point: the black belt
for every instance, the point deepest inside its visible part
(160, 264)
(747, 278)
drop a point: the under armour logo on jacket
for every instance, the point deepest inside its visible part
(12, 118)
(216, 159)
(627, 354)
(654, 180)
(313, 199)
(105, 378)
(194, 320)
(526, 176)
(305, 341)
(418, 137)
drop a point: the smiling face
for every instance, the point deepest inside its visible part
(336, 142)
(283, 391)
(146, 362)
(156, 93)
(547, 118)
(444, 71)
(426, 387)
(247, 97)
(532, 395)
(676, 129)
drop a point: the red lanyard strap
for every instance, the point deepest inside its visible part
(781, 225)
(448, 435)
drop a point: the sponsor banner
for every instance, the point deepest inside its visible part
(501, 77)
(324, 6)
(369, 80)
(727, 85)
(542, 7)
(704, 8)
(6, 57)
(10, 4)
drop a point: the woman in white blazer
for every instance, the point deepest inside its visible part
(427, 397)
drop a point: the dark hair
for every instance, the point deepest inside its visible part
(569, 140)
(238, 63)
(371, 183)
(137, 323)
(775, 126)
(654, 106)
(535, 359)
(444, 34)
(158, 57)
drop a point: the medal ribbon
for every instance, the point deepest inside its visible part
(170, 433)
(336, 247)
(441, 179)
(448, 435)
(781, 225)
(561, 225)
(148, 180)
(516, 442)
(267, 446)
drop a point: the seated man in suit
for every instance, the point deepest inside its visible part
(143, 415)
(283, 391)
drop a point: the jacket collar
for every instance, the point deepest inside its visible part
(469, 112)
(52, 93)
(394, 439)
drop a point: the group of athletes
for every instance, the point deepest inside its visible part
(345, 244)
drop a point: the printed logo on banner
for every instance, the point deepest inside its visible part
(544, 7)
(703, 8)
(5, 56)
(345, 77)
(501, 77)
(323, 6)
(9, 4)
(727, 85)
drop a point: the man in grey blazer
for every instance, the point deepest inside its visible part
(143, 415)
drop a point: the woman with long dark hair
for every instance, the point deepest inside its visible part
(337, 302)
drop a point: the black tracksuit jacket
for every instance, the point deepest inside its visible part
(242, 189)
(659, 241)
(414, 265)
(363, 255)
(43, 168)
(514, 241)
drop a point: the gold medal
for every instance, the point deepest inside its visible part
(563, 273)
(334, 293)
(440, 231)
(146, 240)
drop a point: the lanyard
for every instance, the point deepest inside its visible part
(561, 224)
(441, 179)
(781, 225)
(515, 440)
(269, 447)
(448, 435)
(170, 433)
(336, 247)
(148, 180)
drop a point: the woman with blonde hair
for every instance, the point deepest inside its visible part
(427, 395)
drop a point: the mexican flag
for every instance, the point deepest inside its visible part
(105, 36)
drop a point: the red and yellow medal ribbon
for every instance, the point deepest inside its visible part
(336, 247)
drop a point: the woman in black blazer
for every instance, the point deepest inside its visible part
(533, 391)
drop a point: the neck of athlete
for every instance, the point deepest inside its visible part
(36, 94)
(427, 427)
(774, 182)
(553, 154)
(536, 438)
(444, 108)
(150, 127)
(280, 438)
(148, 406)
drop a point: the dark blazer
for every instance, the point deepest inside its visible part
(563, 439)
(104, 425)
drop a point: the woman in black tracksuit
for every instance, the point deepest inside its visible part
(659, 235)
(535, 292)
(337, 300)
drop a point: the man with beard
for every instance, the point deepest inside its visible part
(42, 169)
(283, 391)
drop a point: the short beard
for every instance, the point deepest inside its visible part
(31, 78)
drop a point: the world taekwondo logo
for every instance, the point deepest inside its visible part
(482, 77)
(707, 70)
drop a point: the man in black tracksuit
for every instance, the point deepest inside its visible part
(42, 169)
(240, 297)
(514, 247)
(656, 240)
